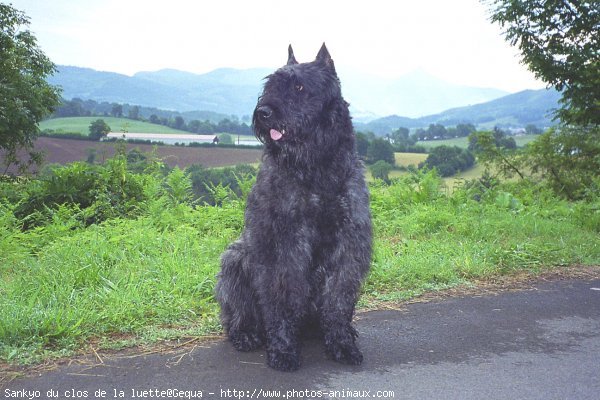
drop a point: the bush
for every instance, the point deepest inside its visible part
(214, 185)
(96, 192)
(381, 170)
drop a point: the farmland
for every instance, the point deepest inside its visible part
(407, 159)
(463, 142)
(63, 151)
(81, 125)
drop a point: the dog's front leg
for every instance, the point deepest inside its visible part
(284, 304)
(346, 266)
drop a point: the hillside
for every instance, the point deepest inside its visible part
(234, 92)
(515, 110)
(520, 109)
(223, 91)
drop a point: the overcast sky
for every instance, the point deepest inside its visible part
(451, 39)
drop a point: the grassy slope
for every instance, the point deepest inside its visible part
(81, 125)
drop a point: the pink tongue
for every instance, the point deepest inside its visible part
(275, 134)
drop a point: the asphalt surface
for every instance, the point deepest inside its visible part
(542, 343)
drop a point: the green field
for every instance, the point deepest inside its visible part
(81, 125)
(463, 142)
(406, 159)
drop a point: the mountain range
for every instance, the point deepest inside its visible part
(528, 107)
(419, 97)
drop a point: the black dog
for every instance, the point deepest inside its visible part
(306, 248)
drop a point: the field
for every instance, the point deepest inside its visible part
(463, 142)
(81, 125)
(62, 151)
(406, 159)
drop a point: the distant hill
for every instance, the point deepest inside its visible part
(420, 98)
(514, 110)
(166, 89)
(234, 92)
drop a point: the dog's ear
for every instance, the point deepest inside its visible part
(291, 59)
(324, 57)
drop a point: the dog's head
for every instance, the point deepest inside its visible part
(296, 100)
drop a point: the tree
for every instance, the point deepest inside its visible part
(569, 161)
(400, 135)
(154, 119)
(463, 130)
(362, 145)
(99, 129)
(25, 96)
(497, 138)
(490, 151)
(449, 160)
(116, 110)
(560, 44)
(178, 123)
(134, 113)
(380, 149)
(381, 170)
(532, 129)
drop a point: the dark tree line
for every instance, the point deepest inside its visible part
(440, 132)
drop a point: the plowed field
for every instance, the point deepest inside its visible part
(64, 151)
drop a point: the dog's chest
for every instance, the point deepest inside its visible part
(326, 210)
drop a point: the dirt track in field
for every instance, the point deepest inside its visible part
(64, 151)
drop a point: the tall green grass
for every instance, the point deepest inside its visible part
(151, 275)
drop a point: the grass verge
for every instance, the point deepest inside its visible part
(128, 281)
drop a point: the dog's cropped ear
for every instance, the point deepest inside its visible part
(291, 59)
(324, 57)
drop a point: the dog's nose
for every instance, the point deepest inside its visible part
(264, 112)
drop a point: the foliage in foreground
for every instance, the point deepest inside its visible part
(149, 273)
(565, 158)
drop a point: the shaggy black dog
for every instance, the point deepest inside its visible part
(306, 247)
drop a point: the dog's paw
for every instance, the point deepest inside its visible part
(344, 353)
(245, 341)
(286, 362)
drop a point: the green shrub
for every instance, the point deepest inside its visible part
(99, 192)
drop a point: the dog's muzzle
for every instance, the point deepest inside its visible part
(264, 114)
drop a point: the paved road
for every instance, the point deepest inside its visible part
(542, 343)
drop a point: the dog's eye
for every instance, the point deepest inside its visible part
(299, 87)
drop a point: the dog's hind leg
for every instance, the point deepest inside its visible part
(239, 311)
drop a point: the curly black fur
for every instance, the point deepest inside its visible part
(306, 247)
